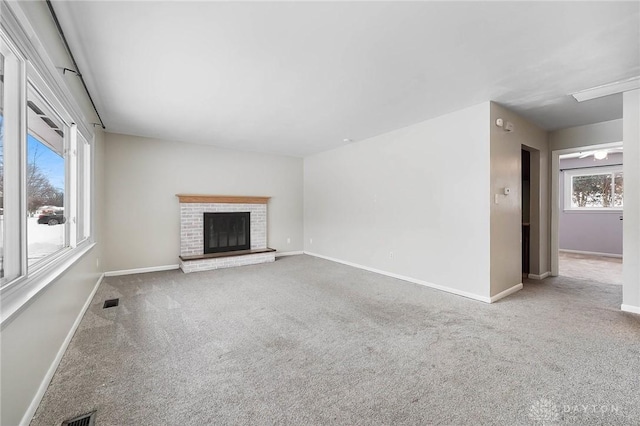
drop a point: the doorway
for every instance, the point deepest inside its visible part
(526, 211)
(531, 210)
(587, 213)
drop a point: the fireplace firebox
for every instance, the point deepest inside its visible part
(225, 232)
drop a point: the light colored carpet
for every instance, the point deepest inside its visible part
(607, 270)
(307, 341)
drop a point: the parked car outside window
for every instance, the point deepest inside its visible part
(51, 219)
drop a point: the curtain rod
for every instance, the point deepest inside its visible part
(591, 167)
(73, 59)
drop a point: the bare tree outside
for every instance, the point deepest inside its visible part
(618, 191)
(39, 189)
(600, 191)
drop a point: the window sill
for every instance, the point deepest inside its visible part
(17, 297)
(591, 211)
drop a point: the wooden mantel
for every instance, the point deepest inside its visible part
(236, 199)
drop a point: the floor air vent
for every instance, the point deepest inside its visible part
(84, 420)
(110, 303)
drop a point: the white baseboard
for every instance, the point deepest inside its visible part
(629, 308)
(172, 267)
(288, 253)
(141, 270)
(507, 292)
(404, 278)
(539, 277)
(592, 253)
(31, 411)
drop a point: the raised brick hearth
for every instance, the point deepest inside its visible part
(192, 209)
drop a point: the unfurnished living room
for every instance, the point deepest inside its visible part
(312, 213)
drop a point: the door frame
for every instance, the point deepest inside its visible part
(556, 203)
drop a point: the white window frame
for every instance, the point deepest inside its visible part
(84, 189)
(14, 261)
(18, 39)
(569, 174)
(69, 131)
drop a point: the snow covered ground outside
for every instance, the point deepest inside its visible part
(43, 239)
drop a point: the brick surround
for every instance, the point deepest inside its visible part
(192, 238)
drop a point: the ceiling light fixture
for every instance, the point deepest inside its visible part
(600, 155)
(346, 140)
(607, 89)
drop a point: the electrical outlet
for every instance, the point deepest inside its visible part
(391, 255)
(288, 240)
(310, 240)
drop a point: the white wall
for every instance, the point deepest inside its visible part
(419, 192)
(144, 175)
(506, 215)
(631, 169)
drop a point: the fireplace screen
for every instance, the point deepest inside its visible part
(226, 232)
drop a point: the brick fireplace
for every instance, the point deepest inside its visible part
(192, 244)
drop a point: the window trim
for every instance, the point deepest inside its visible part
(569, 174)
(17, 294)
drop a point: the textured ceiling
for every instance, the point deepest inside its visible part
(298, 78)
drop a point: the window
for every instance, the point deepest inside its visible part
(45, 181)
(596, 188)
(45, 170)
